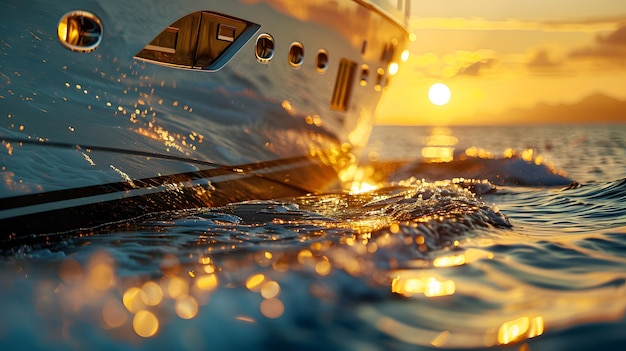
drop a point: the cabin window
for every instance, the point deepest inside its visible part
(264, 49)
(321, 61)
(296, 54)
(365, 72)
(80, 31)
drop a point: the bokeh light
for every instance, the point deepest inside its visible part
(145, 324)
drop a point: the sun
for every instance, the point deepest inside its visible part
(439, 94)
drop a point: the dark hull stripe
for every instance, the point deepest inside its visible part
(57, 224)
(257, 169)
(23, 217)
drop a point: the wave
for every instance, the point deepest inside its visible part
(413, 263)
(437, 213)
(500, 171)
(576, 208)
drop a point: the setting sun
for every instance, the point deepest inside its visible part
(439, 94)
(506, 62)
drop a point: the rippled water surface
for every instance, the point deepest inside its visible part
(463, 238)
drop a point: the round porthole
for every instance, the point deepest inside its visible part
(296, 55)
(264, 50)
(321, 61)
(80, 31)
(365, 73)
(379, 79)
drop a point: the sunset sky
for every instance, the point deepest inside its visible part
(501, 54)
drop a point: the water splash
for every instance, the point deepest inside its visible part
(412, 264)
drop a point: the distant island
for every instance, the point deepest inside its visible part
(595, 108)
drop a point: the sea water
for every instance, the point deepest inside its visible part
(453, 238)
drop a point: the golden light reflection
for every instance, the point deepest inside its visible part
(439, 145)
(152, 294)
(313, 120)
(523, 327)
(133, 300)
(441, 339)
(246, 319)
(114, 314)
(13, 184)
(145, 324)
(536, 327)
(305, 256)
(438, 154)
(207, 282)
(527, 155)
(531, 156)
(404, 56)
(177, 287)
(148, 304)
(254, 282)
(508, 153)
(186, 307)
(272, 308)
(157, 133)
(70, 271)
(323, 268)
(393, 68)
(449, 261)
(100, 272)
(363, 187)
(473, 151)
(427, 285)
(8, 147)
(62, 30)
(144, 302)
(359, 179)
(286, 105)
(270, 289)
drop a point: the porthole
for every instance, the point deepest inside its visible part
(80, 31)
(365, 72)
(321, 61)
(296, 55)
(388, 52)
(264, 49)
(379, 79)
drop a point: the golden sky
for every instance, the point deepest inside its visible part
(501, 54)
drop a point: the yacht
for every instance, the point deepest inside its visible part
(112, 111)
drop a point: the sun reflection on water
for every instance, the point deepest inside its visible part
(523, 327)
(184, 287)
(397, 256)
(439, 145)
(430, 286)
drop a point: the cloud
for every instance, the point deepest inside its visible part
(616, 38)
(459, 23)
(605, 51)
(475, 68)
(542, 61)
(609, 49)
(600, 52)
(459, 62)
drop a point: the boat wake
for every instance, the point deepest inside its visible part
(303, 265)
(411, 263)
(514, 170)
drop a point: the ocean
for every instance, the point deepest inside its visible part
(451, 238)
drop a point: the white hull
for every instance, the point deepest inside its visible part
(101, 136)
